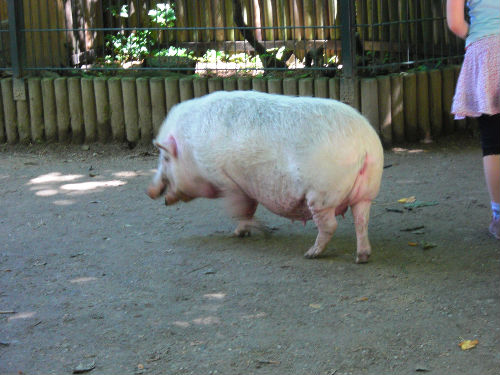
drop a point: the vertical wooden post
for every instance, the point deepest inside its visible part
(102, 109)
(2, 123)
(369, 104)
(36, 109)
(76, 109)
(131, 116)
(384, 109)
(275, 86)
(347, 88)
(17, 37)
(9, 110)
(435, 101)
(410, 106)
(22, 109)
(215, 84)
(172, 94)
(397, 108)
(424, 124)
(158, 108)
(290, 86)
(144, 109)
(49, 109)
(321, 87)
(89, 110)
(116, 109)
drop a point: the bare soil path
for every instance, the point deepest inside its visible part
(94, 273)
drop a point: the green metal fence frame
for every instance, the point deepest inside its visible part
(348, 28)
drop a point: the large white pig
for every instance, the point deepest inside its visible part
(301, 158)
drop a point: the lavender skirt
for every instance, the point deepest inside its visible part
(478, 86)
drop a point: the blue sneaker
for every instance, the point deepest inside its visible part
(495, 228)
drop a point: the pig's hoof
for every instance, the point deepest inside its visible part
(242, 230)
(245, 228)
(242, 233)
(362, 258)
(313, 252)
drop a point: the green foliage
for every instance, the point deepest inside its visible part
(132, 47)
(174, 51)
(137, 45)
(213, 56)
(163, 15)
(119, 11)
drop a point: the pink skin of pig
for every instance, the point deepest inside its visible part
(301, 158)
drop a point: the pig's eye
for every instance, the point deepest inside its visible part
(166, 158)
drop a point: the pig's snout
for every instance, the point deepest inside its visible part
(154, 191)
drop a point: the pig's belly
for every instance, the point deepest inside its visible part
(283, 194)
(294, 209)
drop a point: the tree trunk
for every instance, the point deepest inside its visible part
(267, 60)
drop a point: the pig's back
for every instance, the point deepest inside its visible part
(296, 123)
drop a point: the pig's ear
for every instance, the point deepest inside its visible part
(169, 146)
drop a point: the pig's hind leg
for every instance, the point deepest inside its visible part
(327, 224)
(361, 213)
(242, 208)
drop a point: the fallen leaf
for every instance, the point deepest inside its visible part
(362, 299)
(411, 229)
(468, 344)
(268, 362)
(394, 210)
(412, 243)
(420, 368)
(82, 368)
(417, 204)
(196, 343)
(315, 305)
(427, 245)
(407, 200)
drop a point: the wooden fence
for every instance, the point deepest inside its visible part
(62, 33)
(402, 108)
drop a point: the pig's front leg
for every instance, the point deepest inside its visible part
(242, 208)
(361, 213)
(327, 224)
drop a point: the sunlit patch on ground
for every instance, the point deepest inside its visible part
(22, 315)
(181, 324)
(47, 192)
(81, 280)
(215, 296)
(125, 174)
(54, 177)
(64, 202)
(408, 150)
(207, 320)
(91, 185)
(56, 183)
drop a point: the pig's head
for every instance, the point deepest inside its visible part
(167, 179)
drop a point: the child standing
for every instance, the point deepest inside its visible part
(478, 88)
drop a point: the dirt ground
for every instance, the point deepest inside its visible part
(94, 273)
